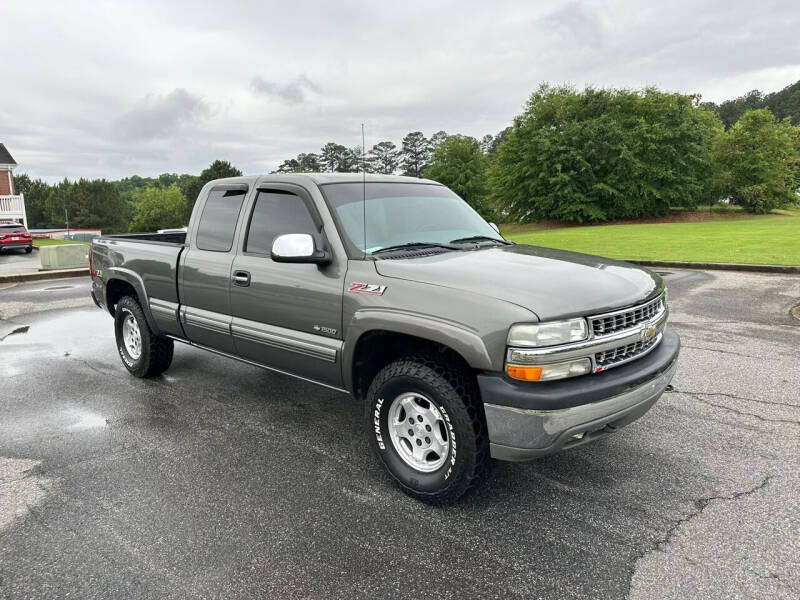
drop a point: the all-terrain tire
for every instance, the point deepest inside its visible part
(155, 352)
(454, 394)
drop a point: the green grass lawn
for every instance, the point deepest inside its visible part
(40, 243)
(770, 240)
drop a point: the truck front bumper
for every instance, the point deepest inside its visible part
(528, 420)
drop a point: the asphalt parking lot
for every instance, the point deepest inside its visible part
(18, 261)
(223, 480)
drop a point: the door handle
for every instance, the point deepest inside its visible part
(241, 278)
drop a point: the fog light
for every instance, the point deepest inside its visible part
(562, 370)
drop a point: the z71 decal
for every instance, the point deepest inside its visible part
(367, 288)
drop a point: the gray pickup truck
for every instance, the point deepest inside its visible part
(462, 346)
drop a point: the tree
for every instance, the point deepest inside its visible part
(289, 166)
(98, 203)
(304, 163)
(437, 139)
(355, 160)
(332, 157)
(216, 170)
(157, 207)
(730, 110)
(308, 163)
(758, 161)
(335, 158)
(384, 158)
(487, 142)
(36, 192)
(603, 154)
(459, 164)
(415, 154)
(491, 150)
(784, 103)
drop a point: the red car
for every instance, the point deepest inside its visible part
(14, 236)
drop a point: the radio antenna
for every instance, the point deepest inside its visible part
(364, 185)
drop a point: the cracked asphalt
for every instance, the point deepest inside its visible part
(223, 480)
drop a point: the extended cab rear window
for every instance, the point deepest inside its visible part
(218, 221)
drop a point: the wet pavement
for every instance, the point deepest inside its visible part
(223, 480)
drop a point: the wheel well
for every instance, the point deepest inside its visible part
(376, 349)
(116, 289)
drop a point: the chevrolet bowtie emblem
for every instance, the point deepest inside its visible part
(648, 333)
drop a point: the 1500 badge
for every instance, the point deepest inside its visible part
(367, 288)
(323, 329)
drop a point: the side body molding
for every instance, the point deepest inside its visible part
(467, 342)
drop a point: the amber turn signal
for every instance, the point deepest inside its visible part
(524, 373)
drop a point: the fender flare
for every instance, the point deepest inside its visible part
(132, 278)
(463, 340)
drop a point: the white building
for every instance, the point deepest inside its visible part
(12, 205)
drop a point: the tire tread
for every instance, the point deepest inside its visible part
(446, 376)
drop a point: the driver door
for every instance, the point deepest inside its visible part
(286, 316)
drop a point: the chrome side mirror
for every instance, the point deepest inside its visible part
(297, 248)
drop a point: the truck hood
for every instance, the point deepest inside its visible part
(551, 283)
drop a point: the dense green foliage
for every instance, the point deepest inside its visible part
(216, 170)
(158, 207)
(129, 185)
(414, 154)
(757, 162)
(783, 104)
(384, 158)
(85, 203)
(603, 154)
(110, 205)
(459, 163)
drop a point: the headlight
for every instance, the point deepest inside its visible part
(548, 334)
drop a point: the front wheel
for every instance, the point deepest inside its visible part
(143, 353)
(428, 429)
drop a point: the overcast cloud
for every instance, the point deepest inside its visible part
(120, 88)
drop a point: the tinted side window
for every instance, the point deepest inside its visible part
(218, 221)
(276, 213)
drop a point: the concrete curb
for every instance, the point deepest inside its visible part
(44, 275)
(706, 266)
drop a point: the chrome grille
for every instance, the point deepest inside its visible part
(625, 319)
(623, 353)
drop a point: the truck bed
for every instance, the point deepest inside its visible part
(152, 257)
(162, 238)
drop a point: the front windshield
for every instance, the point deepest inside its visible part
(402, 213)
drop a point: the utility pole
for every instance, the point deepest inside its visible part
(66, 218)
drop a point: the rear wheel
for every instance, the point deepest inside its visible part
(428, 429)
(29, 249)
(143, 353)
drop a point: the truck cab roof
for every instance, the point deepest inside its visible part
(321, 178)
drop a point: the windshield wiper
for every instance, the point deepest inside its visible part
(415, 245)
(479, 238)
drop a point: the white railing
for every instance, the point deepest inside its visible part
(15, 204)
(13, 207)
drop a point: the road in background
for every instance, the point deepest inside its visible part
(223, 480)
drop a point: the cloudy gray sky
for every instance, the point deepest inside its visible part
(118, 88)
